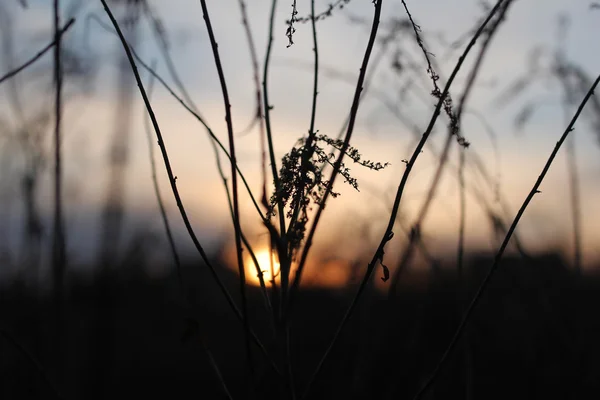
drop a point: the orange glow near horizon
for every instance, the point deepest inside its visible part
(268, 264)
(331, 273)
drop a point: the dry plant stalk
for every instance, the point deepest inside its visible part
(300, 184)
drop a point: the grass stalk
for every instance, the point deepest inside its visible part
(305, 162)
(58, 235)
(258, 94)
(175, 190)
(171, 241)
(58, 252)
(348, 136)
(236, 208)
(40, 53)
(338, 162)
(499, 254)
(280, 239)
(388, 234)
(186, 102)
(454, 129)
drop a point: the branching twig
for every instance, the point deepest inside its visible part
(453, 131)
(278, 240)
(290, 29)
(188, 105)
(351, 122)
(388, 234)
(236, 207)
(505, 242)
(338, 4)
(258, 93)
(258, 118)
(171, 241)
(172, 181)
(40, 53)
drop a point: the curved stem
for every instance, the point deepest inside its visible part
(388, 234)
(172, 181)
(236, 207)
(499, 254)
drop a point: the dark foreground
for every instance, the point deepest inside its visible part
(535, 334)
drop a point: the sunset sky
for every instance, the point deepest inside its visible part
(355, 221)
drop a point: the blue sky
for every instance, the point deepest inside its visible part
(378, 134)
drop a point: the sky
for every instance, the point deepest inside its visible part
(354, 222)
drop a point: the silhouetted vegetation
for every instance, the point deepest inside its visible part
(463, 325)
(534, 333)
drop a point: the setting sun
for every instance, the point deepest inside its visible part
(268, 264)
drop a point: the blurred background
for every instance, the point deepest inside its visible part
(117, 324)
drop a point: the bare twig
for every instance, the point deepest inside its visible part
(306, 157)
(336, 169)
(221, 173)
(172, 246)
(39, 54)
(236, 208)
(502, 248)
(187, 104)
(58, 234)
(58, 253)
(338, 4)
(160, 38)
(258, 118)
(290, 29)
(258, 93)
(159, 200)
(574, 189)
(453, 130)
(349, 131)
(388, 234)
(172, 181)
(279, 240)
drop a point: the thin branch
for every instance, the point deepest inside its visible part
(574, 191)
(507, 238)
(258, 93)
(172, 246)
(58, 235)
(453, 131)
(159, 200)
(290, 23)
(344, 148)
(306, 159)
(40, 53)
(160, 38)
(338, 4)
(261, 124)
(221, 173)
(172, 181)
(236, 207)
(336, 169)
(309, 146)
(414, 129)
(388, 234)
(279, 240)
(58, 248)
(188, 105)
